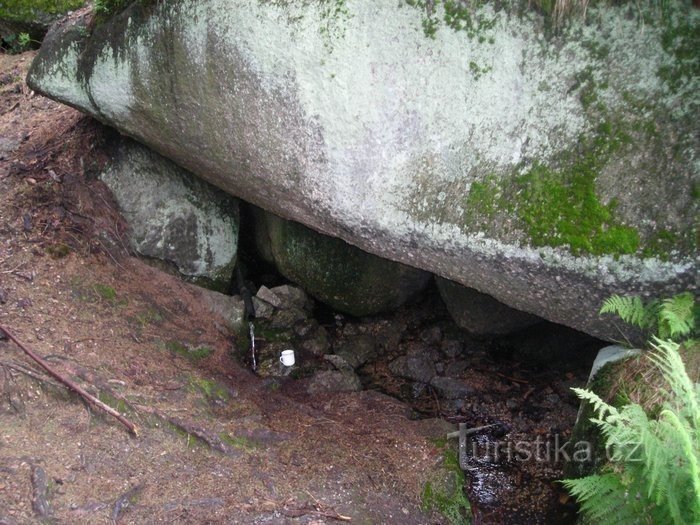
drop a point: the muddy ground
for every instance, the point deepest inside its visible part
(215, 443)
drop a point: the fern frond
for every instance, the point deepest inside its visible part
(602, 497)
(684, 391)
(677, 316)
(600, 407)
(656, 461)
(629, 309)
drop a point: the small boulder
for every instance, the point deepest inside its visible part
(175, 216)
(339, 363)
(358, 350)
(335, 272)
(270, 297)
(452, 348)
(230, 308)
(451, 388)
(480, 314)
(316, 341)
(415, 367)
(263, 309)
(292, 297)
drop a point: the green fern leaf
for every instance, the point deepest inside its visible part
(677, 316)
(629, 309)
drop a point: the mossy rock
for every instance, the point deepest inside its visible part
(335, 272)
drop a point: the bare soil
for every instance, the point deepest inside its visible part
(215, 444)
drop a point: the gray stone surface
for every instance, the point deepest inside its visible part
(173, 215)
(335, 272)
(548, 171)
(230, 308)
(316, 341)
(415, 367)
(481, 314)
(270, 297)
(292, 296)
(451, 347)
(263, 309)
(451, 388)
(334, 381)
(339, 363)
(358, 350)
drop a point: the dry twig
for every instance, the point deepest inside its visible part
(70, 384)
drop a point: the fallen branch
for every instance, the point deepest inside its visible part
(26, 371)
(70, 384)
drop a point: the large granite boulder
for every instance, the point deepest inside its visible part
(546, 168)
(174, 216)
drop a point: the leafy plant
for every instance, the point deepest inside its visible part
(18, 42)
(673, 318)
(653, 475)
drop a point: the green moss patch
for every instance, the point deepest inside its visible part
(239, 442)
(447, 495)
(192, 353)
(558, 205)
(211, 389)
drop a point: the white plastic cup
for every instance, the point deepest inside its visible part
(287, 358)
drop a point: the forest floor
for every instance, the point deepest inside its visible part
(215, 445)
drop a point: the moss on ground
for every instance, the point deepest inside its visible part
(211, 389)
(192, 353)
(447, 495)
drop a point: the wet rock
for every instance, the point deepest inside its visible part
(292, 297)
(480, 314)
(306, 327)
(452, 348)
(263, 309)
(316, 342)
(229, 308)
(358, 350)
(432, 335)
(287, 318)
(334, 381)
(451, 388)
(175, 216)
(269, 360)
(270, 297)
(415, 367)
(389, 334)
(455, 368)
(335, 272)
(339, 363)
